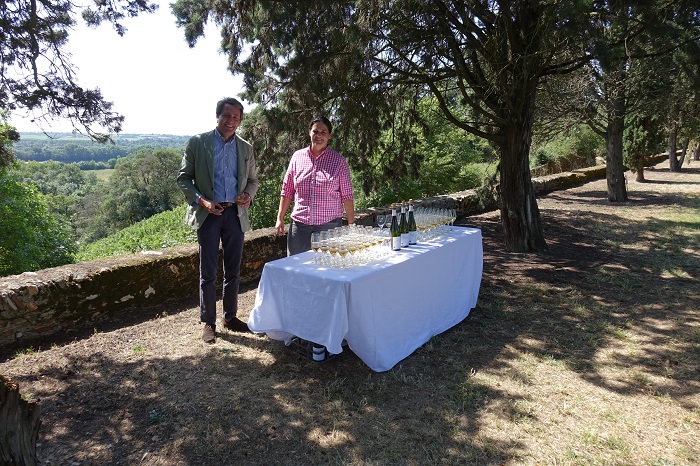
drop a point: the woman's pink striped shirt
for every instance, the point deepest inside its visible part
(318, 186)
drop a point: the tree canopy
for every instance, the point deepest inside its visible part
(36, 73)
(368, 64)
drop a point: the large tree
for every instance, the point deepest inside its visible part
(36, 73)
(368, 63)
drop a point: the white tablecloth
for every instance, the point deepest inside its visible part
(385, 309)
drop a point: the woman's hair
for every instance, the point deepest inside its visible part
(324, 120)
(228, 100)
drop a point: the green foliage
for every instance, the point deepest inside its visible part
(53, 178)
(451, 160)
(643, 137)
(64, 187)
(162, 230)
(263, 212)
(169, 229)
(579, 145)
(8, 136)
(141, 185)
(30, 237)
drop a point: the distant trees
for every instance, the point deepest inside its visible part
(625, 92)
(141, 186)
(30, 237)
(86, 208)
(68, 148)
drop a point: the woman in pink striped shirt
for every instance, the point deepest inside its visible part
(318, 181)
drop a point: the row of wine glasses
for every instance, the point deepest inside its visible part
(352, 245)
(348, 246)
(430, 222)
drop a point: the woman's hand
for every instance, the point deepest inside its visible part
(279, 226)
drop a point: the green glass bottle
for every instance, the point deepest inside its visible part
(395, 230)
(412, 230)
(403, 226)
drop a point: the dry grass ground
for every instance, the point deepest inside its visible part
(588, 354)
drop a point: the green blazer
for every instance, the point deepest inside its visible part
(196, 176)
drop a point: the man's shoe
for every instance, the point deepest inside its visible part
(209, 334)
(236, 325)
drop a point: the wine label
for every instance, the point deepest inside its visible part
(395, 243)
(412, 237)
(404, 240)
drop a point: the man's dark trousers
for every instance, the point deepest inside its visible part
(224, 229)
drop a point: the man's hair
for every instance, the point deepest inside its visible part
(230, 101)
(324, 120)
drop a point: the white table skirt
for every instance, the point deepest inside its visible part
(384, 310)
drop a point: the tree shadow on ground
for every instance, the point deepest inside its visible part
(250, 400)
(619, 277)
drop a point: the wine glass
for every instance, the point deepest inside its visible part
(342, 252)
(333, 249)
(315, 244)
(323, 244)
(381, 221)
(240, 200)
(352, 250)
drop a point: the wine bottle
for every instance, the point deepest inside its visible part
(394, 230)
(403, 225)
(412, 230)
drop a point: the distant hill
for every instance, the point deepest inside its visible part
(76, 148)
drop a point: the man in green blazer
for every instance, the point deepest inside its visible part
(219, 179)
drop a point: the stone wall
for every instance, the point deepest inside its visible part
(36, 305)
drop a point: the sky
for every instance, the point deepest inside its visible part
(154, 79)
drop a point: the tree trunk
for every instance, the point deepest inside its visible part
(19, 426)
(640, 175)
(615, 168)
(674, 166)
(696, 151)
(520, 215)
(684, 151)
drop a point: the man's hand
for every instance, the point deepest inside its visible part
(211, 206)
(243, 200)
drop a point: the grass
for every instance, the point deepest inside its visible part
(587, 354)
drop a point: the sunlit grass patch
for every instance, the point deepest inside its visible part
(25, 352)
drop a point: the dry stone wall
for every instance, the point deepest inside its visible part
(35, 305)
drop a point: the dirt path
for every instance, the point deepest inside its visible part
(585, 354)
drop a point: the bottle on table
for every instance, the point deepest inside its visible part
(412, 229)
(394, 230)
(403, 226)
